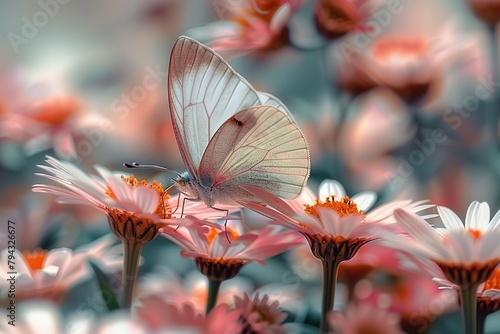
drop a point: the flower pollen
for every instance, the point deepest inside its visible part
(344, 207)
(163, 210)
(35, 259)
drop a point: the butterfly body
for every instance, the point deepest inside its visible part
(230, 136)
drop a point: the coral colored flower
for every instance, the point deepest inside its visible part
(365, 319)
(339, 217)
(405, 64)
(136, 210)
(335, 18)
(467, 253)
(191, 288)
(158, 315)
(411, 65)
(215, 246)
(39, 116)
(486, 10)
(488, 293)
(403, 283)
(336, 227)
(42, 274)
(248, 25)
(260, 315)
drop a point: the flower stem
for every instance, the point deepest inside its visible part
(213, 291)
(468, 301)
(481, 321)
(330, 272)
(131, 255)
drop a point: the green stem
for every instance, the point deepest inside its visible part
(330, 272)
(468, 300)
(131, 255)
(213, 291)
(481, 321)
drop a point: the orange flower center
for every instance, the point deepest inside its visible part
(493, 282)
(400, 47)
(35, 259)
(231, 234)
(56, 110)
(261, 9)
(476, 234)
(163, 209)
(344, 206)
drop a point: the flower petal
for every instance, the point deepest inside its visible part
(478, 216)
(365, 200)
(331, 188)
(450, 219)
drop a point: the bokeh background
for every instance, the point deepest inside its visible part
(405, 104)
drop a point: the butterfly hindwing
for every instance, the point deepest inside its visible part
(260, 146)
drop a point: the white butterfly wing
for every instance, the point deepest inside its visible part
(260, 146)
(204, 91)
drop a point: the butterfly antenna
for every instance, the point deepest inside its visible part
(135, 165)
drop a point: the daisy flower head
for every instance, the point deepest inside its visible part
(337, 226)
(365, 318)
(487, 293)
(42, 274)
(39, 116)
(466, 253)
(221, 251)
(260, 315)
(336, 18)
(488, 300)
(136, 210)
(159, 315)
(192, 287)
(248, 25)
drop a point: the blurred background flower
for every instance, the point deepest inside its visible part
(395, 97)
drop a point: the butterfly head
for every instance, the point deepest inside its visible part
(182, 180)
(184, 184)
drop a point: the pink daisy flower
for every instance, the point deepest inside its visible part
(335, 229)
(260, 315)
(159, 315)
(136, 210)
(466, 253)
(43, 274)
(216, 246)
(365, 318)
(248, 25)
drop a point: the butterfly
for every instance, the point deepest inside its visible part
(233, 140)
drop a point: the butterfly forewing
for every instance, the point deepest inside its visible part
(204, 91)
(260, 146)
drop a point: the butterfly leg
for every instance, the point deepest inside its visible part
(225, 222)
